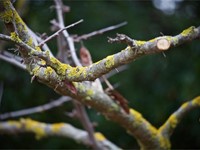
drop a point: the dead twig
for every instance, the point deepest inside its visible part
(38, 109)
(58, 32)
(101, 31)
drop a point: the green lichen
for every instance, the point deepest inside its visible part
(14, 37)
(188, 31)
(109, 61)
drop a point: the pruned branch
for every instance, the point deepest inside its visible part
(42, 130)
(51, 72)
(94, 71)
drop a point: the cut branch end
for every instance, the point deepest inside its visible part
(163, 44)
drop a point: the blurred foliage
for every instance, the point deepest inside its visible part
(154, 85)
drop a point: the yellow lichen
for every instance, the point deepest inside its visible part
(99, 136)
(38, 48)
(7, 15)
(35, 70)
(153, 40)
(109, 61)
(175, 39)
(114, 107)
(90, 92)
(34, 126)
(164, 142)
(15, 37)
(183, 106)
(60, 67)
(152, 130)
(76, 72)
(88, 98)
(137, 116)
(188, 31)
(196, 101)
(30, 42)
(57, 127)
(173, 121)
(48, 71)
(140, 43)
(14, 123)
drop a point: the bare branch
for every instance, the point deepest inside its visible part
(10, 58)
(38, 109)
(58, 32)
(65, 33)
(101, 31)
(42, 130)
(79, 107)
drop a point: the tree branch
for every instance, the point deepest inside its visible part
(101, 31)
(83, 117)
(94, 71)
(10, 58)
(58, 32)
(168, 127)
(38, 109)
(42, 130)
(54, 72)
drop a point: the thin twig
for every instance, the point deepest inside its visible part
(114, 72)
(58, 32)
(79, 107)
(65, 33)
(12, 59)
(38, 109)
(101, 31)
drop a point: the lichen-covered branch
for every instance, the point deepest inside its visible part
(168, 127)
(42, 130)
(58, 76)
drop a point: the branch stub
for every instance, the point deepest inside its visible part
(163, 44)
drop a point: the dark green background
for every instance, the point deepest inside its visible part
(154, 85)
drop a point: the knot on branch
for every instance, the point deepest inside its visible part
(122, 38)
